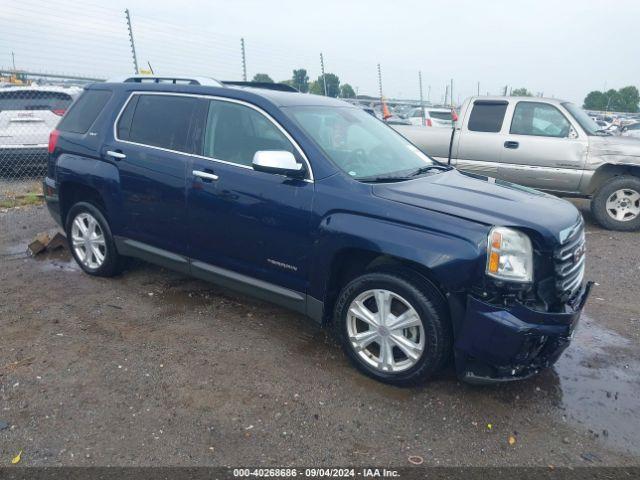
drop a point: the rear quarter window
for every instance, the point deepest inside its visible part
(85, 111)
(487, 116)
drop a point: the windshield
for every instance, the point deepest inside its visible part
(585, 121)
(358, 143)
(440, 115)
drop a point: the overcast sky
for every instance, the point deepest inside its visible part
(560, 48)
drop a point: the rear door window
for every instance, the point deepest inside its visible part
(487, 116)
(34, 100)
(85, 111)
(160, 121)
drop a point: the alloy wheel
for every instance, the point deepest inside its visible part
(385, 331)
(623, 205)
(87, 240)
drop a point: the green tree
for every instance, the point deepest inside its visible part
(300, 80)
(333, 85)
(613, 100)
(595, 100)
(629, 98)
(521, 92)
(347, 91)
(316, 88)
(624, 100)
(262, 77)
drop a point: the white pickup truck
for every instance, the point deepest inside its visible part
(543, 143)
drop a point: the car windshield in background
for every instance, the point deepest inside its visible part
(358, 143)
(34, 100)
(585, 121)
(440, 115)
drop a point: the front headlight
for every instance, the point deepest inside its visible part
(509, 255)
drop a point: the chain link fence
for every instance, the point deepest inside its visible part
(27, 116)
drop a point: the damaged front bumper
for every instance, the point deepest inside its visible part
(500, 344)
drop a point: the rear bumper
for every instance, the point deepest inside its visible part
(500, 344)
(50, 189)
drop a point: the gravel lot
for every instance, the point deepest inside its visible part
(154, 368)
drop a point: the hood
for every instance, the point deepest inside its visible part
(613, 145)
(486, 200)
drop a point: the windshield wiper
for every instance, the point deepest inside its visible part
(408, 176)
(383, 179)
(423, 170)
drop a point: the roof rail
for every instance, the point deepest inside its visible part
(281, 87)
(205, 81)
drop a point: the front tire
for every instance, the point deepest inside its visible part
(616, 205)
(91, 242)
(394, 327)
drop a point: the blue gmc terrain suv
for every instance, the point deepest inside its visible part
(314, 204)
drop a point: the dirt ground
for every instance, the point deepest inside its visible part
(153, 368)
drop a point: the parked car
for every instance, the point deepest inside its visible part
(547, 144)
(433, 117)
(632, 130)
(312, 203)
(27, 116)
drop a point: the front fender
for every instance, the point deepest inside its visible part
(455, 260)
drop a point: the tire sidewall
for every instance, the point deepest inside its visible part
(430, 360)
(599, 209)
(108, 267)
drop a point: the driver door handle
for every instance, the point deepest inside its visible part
(205, 175)
(511, 144)
(118, 155)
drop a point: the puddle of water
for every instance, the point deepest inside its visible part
(56, 261)
(600, 385)
(59, 266)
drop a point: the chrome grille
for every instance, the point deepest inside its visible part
(570, 264)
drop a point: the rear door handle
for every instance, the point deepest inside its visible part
(117, 154)
(510, 144)
(206, 176)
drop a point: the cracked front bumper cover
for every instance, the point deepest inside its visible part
(499, 344)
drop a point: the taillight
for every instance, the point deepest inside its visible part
(53, 140)
(59, 111)
(428, 122)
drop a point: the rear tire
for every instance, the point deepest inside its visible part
(413, 353)
(91, 242)
(616, 204)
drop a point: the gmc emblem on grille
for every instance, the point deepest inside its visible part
(578, 254)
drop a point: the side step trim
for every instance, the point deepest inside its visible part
(254, 282)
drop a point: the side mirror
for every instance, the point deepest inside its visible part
(572, 133)
(277, 161)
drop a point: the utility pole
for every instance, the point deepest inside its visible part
(451, 93)
(244, 61)
(421, 99)
(429, 94)
(505, 90)
(478, 88)
(446, 94)
(324, 78)
(13, 61)
(133, 46)
(380, 81)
